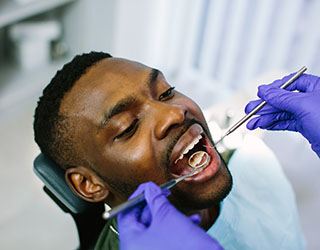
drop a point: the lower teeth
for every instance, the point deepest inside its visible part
(199, 159)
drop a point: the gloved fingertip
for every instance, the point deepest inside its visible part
(251, 105)
(248, 108)
(195, 218)
(151, 186)
(262, 89)
(249, 126)
(265, 86)
(138, 191)
(252, 124)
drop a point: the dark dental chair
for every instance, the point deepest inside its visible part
(87, 216)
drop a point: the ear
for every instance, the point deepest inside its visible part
(86, 184)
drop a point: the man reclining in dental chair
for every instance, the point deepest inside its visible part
(112, 124)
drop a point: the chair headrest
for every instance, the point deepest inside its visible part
(53, 177)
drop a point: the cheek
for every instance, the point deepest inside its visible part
(131, 158)
(138, 162)
(139, 156)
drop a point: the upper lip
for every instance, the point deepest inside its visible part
(189, 138)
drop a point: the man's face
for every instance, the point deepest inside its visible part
(132, 126)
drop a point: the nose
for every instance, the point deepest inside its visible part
(168, 116)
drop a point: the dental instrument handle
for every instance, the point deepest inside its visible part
(124, 206)
(260, 106)
(140, 198)
(170, 184)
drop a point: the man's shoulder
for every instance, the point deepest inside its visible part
(256, 165)
(261, 201)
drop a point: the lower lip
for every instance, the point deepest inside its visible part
(212, 168)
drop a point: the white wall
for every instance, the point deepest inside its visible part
(219, 44)
(140, 30)
(89, 25)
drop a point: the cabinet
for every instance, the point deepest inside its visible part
(12, 11)
(86, 25)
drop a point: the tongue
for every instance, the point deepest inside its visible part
(181, 167)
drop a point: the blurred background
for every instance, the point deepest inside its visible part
(215, 51)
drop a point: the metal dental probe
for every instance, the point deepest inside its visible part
(140, 198)
(260, 106)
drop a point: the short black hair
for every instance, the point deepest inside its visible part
(51, 129)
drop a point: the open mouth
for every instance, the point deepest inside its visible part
(192, 141)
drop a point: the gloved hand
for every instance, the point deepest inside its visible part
(159, 225)
(287, 110)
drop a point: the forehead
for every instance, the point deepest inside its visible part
(103, 84)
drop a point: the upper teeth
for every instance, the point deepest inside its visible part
(189, 147)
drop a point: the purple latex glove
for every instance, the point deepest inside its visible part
(159, 225)
(287, 110)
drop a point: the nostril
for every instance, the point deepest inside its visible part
(170, 119)
(174, 126)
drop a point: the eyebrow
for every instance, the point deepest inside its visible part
(152, 77)
(126, 102)
(120, 107)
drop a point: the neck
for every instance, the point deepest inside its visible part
(209, 217)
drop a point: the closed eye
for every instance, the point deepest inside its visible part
(167, 94)
(129, 131)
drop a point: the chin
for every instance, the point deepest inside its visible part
(208, 195)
